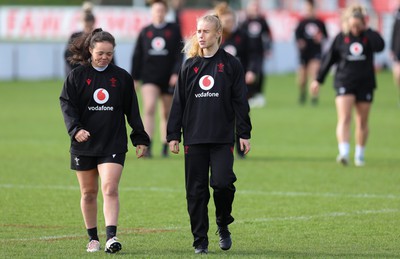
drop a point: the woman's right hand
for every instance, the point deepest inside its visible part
(174, 146)
(82, 136)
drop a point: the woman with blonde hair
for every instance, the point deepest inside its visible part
(352, 51)
(209, 105)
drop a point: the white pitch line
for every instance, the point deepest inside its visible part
(327, 215)
(244, 192)
(257, 220)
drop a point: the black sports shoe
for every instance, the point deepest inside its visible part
(225, 241)
(201, 249)
(113, 245)
(164, 152)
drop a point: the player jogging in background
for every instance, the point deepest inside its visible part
(156, 61)
(95, 99)
(259, 42)
(310, 34)
(209, 104)
(352, 51)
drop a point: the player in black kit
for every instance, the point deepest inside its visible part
(353, 53)
(310, 34)
(156, 62)
(209, 103)
(260, 43)
(95, 99)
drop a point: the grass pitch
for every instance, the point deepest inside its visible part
(292, 200)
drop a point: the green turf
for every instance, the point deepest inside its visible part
(292, 200)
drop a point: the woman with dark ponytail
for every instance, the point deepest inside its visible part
(95, 99)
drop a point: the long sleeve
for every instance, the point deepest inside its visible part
(136, 68)
(70, 107)
(327, 61)
(241, 105)
(375, 40)
(174, 127)
(138, 135)
(178, 52)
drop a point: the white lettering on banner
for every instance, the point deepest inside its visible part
(58, 23)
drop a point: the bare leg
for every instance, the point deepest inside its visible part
(313, 68)
(164, 115)
(150, 94)
(362, 112)
(88, 183)
(396, 76)
(302, 81)
(344, 106)
(110, 174)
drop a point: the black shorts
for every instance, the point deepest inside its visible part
(361, 94)
(164, 88)
(306, 58)
(84, 163)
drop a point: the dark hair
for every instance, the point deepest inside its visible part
(311, 2)
(88, 16)
(80, 45)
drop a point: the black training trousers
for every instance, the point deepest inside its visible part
(198, 161)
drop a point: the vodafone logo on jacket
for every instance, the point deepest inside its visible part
(101, 96)
(254, 29)
(206, 82)
(158, 43)
(311, 29)
(356, 49)
(231, 50)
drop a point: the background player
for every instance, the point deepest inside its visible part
(353, 52)
(310, 33)
(260, 43)
(156, 62)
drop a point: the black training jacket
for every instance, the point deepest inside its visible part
(98, 102)
(157, 54)
(259, 34)
(308, 29)
(209, 99)
(354, 57)
(237, 44)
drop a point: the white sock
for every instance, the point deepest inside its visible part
(359, 151)
(344, 149)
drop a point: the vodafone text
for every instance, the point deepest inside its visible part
(101, 108)
(206, 94)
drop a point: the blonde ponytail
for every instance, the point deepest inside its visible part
(356, 11)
